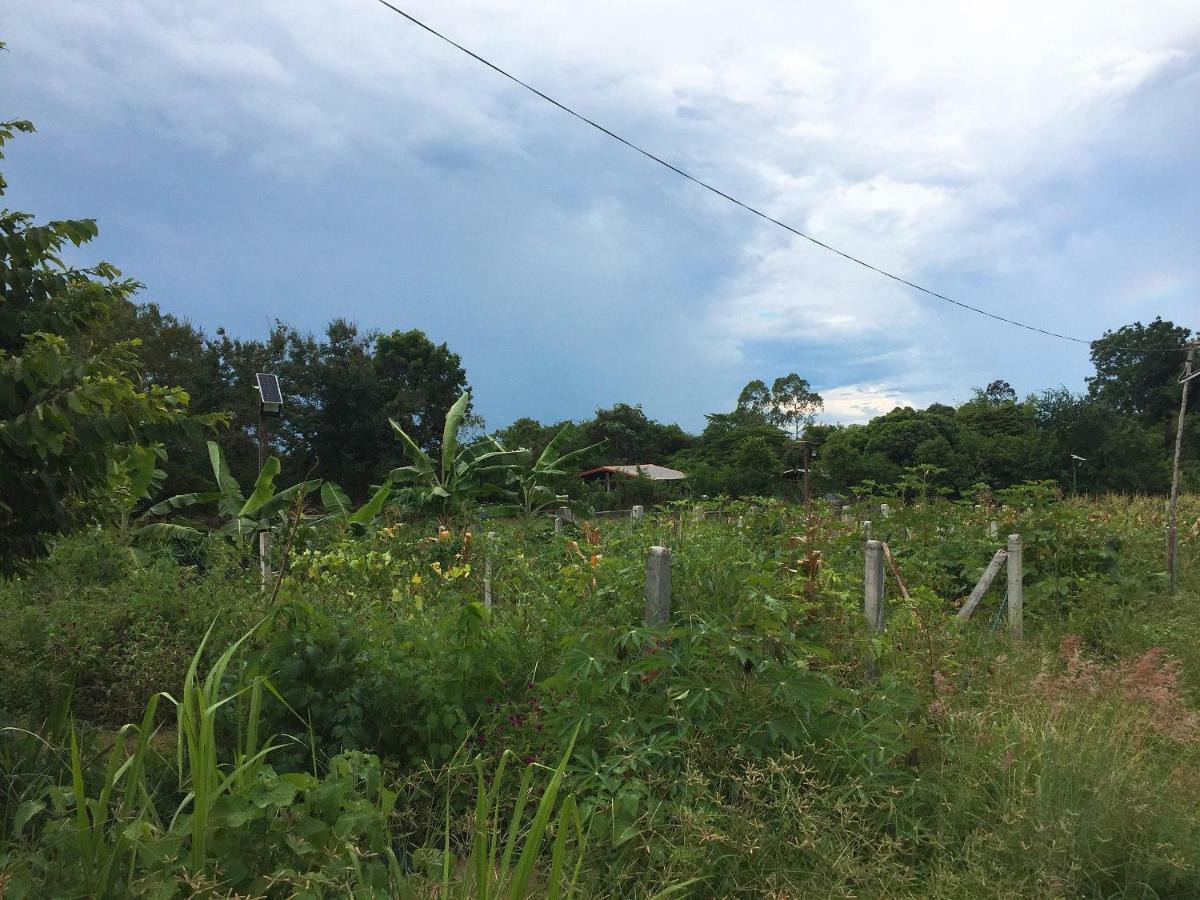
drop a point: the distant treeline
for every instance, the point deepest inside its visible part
(342, 387)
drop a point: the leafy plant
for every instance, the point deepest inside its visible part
(244, 516)
(534, 486)
(460, 474)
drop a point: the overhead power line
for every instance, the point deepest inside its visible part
(736, 202)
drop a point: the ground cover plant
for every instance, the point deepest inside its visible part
(368, 726)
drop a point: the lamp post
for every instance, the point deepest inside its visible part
(270, 405)
(1075, 461)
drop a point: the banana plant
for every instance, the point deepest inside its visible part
(462, 474)
(339, 509)
(532, 486)
(243, 516)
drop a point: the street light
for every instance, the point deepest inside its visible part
(270, 403)
(1075, 461)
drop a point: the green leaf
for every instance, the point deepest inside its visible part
(421, 463)
(335, 501)
(450, 433)
(366, 513)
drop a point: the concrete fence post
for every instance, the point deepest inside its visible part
(699, 513)
(558, 524)
(993, 530)
(487, 571)
(636, 513)
(873, 586)
(658, 587)
(866, 529)
(264, 559)
(565, 514)
(1016, 589)
(885, 510)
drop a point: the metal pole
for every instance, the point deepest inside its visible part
(1171, 561)
(264, 537)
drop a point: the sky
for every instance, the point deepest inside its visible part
(307, 160)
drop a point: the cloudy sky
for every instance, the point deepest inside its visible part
(304, 159)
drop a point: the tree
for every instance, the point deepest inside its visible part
(632, 437)
(794, 405)
(421, 381)
(71, 406)
(996, 393)
(1136, 372)
(759, 469)
(755, 401)
(351, 442)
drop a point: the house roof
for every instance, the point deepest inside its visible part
(645, 470)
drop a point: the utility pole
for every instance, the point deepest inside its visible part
(807, 499)
(1186, 382)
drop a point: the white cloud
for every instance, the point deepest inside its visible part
(852, 403)
(913, 135)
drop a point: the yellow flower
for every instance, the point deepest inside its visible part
(416, 579)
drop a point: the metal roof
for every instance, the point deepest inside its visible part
(645, 470)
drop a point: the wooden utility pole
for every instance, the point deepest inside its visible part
(807, 498)
(1171, 561)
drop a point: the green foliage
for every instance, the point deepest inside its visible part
(70, 408)
(462, 473)
(535, 487)
(244, 516)
(741, 749)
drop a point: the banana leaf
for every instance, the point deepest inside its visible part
(367, 513)
(335, 501)
(421, 463)
(450, 433)
(167, 531)
(231, 499)
(182, 501)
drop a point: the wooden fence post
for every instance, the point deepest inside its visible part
(873, 586)
(1016, 596)
(658, 587)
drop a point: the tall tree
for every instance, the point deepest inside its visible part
(1134, 376)
(351, 440)
(421, 380)
(794, 404)
(755, 401)
(71, 407)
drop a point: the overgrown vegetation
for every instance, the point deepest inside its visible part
(354, 736)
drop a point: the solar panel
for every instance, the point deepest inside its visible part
(269, 392)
